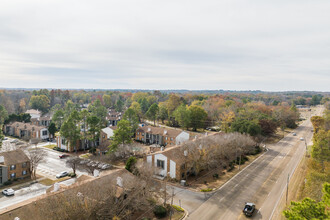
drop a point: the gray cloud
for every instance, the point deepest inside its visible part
(277, 45)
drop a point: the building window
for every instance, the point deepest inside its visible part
(13, 175)
(12, 167)
(138, 133)
(24, 172)
(44, 132)
(165, 138)
(63, 141)
(142, 134)
(160, 164)
(137, 138)
(171, 139)
(24, 165)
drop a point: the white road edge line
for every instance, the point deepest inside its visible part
(278, 200)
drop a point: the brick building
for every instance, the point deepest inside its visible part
(14, 165)
(161, 136)
(26, 131)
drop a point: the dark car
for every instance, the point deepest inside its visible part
(249, 209)
(63, 156)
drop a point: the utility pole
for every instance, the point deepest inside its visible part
(165, 192)
(171, 211)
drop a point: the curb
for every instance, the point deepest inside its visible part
(186, 213)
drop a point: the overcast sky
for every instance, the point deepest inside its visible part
(168, 44)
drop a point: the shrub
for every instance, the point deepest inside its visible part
(7, 183)
(92, 150)
(179, 209)
(160, 211)
(130, 163)
(206, 190)
(15, 179)
(73, 175)
(216, 176)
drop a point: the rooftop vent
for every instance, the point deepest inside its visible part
(119, 182)
(165, 132)
(149, 129)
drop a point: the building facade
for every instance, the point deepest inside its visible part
(26, 131)
(14, 165)
(161, 136)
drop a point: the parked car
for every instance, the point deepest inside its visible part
(106, 166)
(301, 138)
(294, 134)
(5, 138)
(249, 209)
(62, 174)
(63, 156)
(8, 192)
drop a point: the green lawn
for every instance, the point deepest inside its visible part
(50, 146)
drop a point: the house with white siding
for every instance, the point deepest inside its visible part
(170, 162)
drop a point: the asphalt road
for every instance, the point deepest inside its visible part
(263, 182)
(21, 195)
(53, 165)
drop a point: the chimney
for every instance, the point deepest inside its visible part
(165, 132)
(149, 129)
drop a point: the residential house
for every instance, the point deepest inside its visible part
(113, 117)
(81, 144)
(44, 120)
(161, 136)
(14, 165)
(105, 136)
(26, 130)
(35, 113)
(170, 162)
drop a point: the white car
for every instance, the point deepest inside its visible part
(62, 174)
(301, 138)
(8, 192)
(294, 134)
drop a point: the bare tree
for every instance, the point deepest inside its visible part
(36, 156)
(215, 151)
(73, 163)
(35, 141)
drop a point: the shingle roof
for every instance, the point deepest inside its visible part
(166, 132)
(14, 157)
(33, 111)
(109, 131)
(26, 126)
